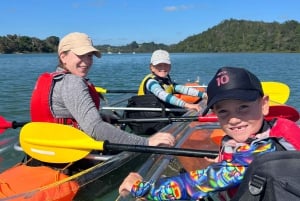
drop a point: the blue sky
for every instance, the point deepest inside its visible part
(119, 22)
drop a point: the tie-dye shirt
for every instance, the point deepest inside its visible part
(200, 183)
(228, 173)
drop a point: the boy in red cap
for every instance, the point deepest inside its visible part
(236, 96)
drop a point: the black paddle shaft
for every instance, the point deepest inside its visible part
(121, 91)
(18, 124)
(160, 150)
(164, 119)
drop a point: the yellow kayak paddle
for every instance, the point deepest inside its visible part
(277, 91)
(106, 91)
(57, 143)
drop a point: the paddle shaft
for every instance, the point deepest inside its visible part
(267, 86)
(18, 124)
(5, 124)
(275, 111)
(135, 91)
(182, 119)
(282, 111)
(105, 91)
(160, 150)
(171, 119)
(121, 91)
(145, 109)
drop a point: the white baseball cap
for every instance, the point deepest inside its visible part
(160, 56)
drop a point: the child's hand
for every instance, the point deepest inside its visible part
(128, 182)
(212, 160)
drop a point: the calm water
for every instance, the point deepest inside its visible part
(125, 71)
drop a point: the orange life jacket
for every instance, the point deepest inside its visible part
(24, 183)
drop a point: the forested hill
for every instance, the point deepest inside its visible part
(228, 36)
(244, 36)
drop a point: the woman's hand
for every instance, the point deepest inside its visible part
(163, 139)
(190, 106)
(128, 182)
(204, 96)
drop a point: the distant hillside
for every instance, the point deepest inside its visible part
(132, 47)
(244, 36)
(228, 36)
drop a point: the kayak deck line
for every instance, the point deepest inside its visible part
(95, 157)
(145, 109)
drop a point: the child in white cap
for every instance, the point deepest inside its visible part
(160, 84)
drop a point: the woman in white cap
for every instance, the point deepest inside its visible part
(68, 97)
(160, 84)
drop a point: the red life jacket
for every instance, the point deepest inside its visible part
(40, 105)
(284, 128)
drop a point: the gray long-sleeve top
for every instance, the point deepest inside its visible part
(71, 99)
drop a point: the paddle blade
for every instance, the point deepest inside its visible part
(4, 124)
(101, 90)
(56, 143)
(278, 92)
(283, 111)
(216, 136)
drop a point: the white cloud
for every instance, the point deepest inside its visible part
(177, 8)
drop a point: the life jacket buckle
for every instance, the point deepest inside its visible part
(257, 184)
